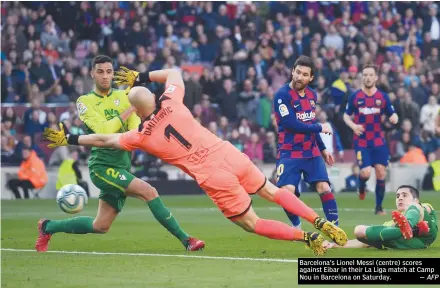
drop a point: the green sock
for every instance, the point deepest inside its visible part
(164, 216)
(412, 215)
(77, 225)
(383, 233)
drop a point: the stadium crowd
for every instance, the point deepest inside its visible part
(234, 56)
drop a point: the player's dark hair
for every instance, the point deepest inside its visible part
(372, 66)
(101, 59)
(305, 61)
(414, 192)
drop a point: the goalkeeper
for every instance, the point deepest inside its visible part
(414, 226)
(105, 110)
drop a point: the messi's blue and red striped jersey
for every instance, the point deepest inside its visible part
(298, 133)
(368, 112)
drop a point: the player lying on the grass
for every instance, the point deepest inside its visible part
(169, 132)
(414, 226)
(105, 110)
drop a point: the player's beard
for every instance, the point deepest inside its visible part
(369, 86)
(103, 89)
(298, 86)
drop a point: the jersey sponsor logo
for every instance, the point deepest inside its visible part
(156, 119)
(283, 110)
(306, 116)
(369, 111)
(122, 177)
(110, 113)
(296, 106)
(170, 89)
(81, 108)
(361, 102)
(117, 102)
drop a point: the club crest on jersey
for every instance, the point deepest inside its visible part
(378, 102)
(312, 102)
(170, 89)
(283, 110)
(117, 102)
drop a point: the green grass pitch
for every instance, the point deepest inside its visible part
(135, 235)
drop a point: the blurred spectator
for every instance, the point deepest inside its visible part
(414, 155)
(352, 181)
(270, 148)
(69, 173)
(330, 140)
(235, 140)
(264, 108)
(428, 115)
(27, 142)
(254, 149)
(193, 89)
(248, 101)
(224, 130)
(31, 175)
(227, 99)
(33, 125)
(70, 113)
(244, 128)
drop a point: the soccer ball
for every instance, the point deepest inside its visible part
(72, 198)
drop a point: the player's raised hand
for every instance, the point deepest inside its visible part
(58, 138)
(125, 76)
(394, 119)
(358, 130)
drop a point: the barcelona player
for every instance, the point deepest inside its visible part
(369, 105)
(105, 110)
(300, 147)
(169, 132)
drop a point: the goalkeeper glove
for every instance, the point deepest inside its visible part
(131, 78)
(59, 138)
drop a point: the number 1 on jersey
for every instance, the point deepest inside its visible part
(171, 131)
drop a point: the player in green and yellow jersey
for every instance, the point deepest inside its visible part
(106, 110)
(414, 226)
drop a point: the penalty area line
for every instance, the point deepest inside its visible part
(159, 255)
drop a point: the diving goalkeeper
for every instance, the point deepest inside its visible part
(414, 226)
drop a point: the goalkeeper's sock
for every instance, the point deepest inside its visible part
(294, 219)
(330, 207)
(77, 225)
(383, 233)
(278, 230)
(164, 216)
(380, 194)
(362, 184)
(412, 214)
(294, 205)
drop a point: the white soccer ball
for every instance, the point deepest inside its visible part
(72, 198)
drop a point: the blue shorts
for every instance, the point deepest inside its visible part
(289, 171)
(367, 157)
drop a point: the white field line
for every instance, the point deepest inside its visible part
(158, 255)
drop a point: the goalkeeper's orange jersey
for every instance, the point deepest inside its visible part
(173, 135)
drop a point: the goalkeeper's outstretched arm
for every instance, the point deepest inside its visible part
(96, 140)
